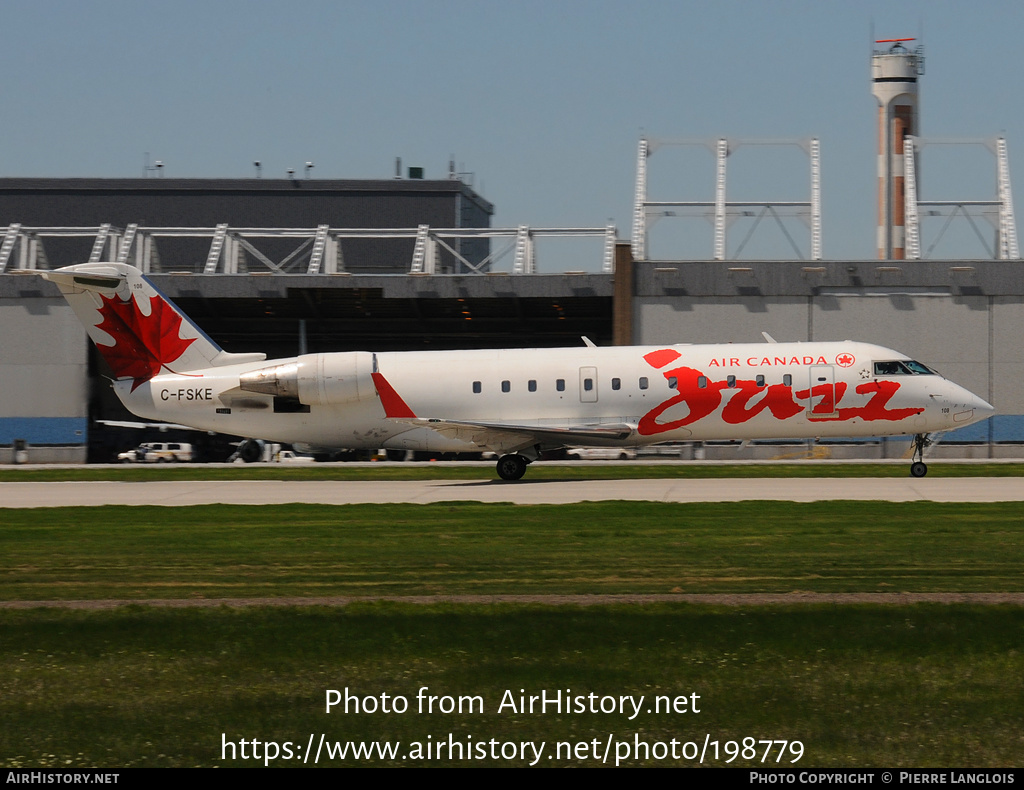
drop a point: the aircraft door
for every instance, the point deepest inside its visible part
(588, 385)
(822, 401)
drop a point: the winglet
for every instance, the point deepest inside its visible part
(392, 402)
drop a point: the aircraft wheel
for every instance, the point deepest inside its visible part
(918, 469)
(511, 467)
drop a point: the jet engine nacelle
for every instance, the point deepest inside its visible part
(316, 379)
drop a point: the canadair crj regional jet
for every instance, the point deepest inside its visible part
(516, 403)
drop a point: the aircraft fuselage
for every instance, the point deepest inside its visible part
(665, 393)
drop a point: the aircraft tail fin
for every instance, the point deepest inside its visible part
(139, 331)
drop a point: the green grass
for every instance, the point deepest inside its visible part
(485, 471)
(872, 686)
(227, 551)
(888, 687)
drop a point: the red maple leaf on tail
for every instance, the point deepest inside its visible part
(143, 344)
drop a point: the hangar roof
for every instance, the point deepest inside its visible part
(11, 186)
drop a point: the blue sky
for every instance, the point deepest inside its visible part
(542, 101)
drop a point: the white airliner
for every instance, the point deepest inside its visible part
(516, 403)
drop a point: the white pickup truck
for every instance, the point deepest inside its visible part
(157, 452)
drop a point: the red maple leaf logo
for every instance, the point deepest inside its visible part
(143, 344)
(845, 360)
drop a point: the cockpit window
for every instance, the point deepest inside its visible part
(918, 368)
(902, 367)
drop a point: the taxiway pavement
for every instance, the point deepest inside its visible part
(523, 492)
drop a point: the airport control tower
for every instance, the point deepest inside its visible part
(894, 73)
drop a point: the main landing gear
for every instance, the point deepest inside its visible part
(512, 467)
(919, 468)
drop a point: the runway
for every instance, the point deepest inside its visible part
(523, 492)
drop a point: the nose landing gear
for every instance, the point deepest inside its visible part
(919, 468)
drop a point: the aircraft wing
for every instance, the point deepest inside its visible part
(508, 438)
(161, 426)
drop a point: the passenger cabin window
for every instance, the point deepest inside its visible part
(588, 385)
(560, 385)
(616, 384)
(673, 383)
(787, 380)
(731, 382)
(531, 385)
(476, 387)
(506, 386)
(643, 382)
(702, 382)
(760, 381)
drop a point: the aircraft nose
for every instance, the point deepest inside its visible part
(968, 407)
(981, 405)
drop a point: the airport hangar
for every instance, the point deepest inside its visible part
(290, 265)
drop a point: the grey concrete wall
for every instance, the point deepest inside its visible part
(43, 370)
(717, 319)
(1008, 353)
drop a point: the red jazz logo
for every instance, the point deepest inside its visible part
(703, 397)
